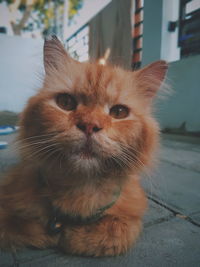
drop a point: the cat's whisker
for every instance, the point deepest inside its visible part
(61, 157)
(119, 161)
(35, 137)
(27, 148)
(130, 149)
(38, 152)
(130, 158)
(25, 144)
(34, 145)
(131, 152)
(144, 168)
(45, 154)
(52, 152)
(126, 160)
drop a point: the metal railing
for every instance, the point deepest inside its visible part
(137, 34)
(78, 44)
(189, 29)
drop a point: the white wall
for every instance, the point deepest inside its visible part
(169, 43)
(20, 67)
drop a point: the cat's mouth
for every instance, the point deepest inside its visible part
(87, 150)
(86, 153)
(85, 157)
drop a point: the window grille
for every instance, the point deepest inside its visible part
(78, 44)
(189, 27)
(137, 34)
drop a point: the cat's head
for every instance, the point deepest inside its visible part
(91, 117)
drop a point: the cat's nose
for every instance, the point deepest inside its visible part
(88, 128)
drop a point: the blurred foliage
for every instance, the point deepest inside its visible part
(40, 14)
(74, 6)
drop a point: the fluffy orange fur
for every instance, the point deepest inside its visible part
(88, 132)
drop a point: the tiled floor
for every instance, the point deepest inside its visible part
(171, 235)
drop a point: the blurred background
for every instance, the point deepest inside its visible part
(133, 33)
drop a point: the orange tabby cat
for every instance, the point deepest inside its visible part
(85, 137)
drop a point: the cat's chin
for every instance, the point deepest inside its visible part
(86, 163)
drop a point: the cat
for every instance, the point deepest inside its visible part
(84, 139)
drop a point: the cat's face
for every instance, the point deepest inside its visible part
(92, 117)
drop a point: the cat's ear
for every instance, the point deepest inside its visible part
(54, 54)
(150, 78)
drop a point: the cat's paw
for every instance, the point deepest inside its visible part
(111, 247)
(110, 237)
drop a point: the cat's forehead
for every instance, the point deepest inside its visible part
(93, 83)
(99, 83)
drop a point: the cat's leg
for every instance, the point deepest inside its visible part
(19, 230)
(110, 236)
(23, 217)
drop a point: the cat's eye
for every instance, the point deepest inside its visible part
(66, 101)
(119, 112)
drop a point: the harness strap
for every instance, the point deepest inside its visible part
(58, 218)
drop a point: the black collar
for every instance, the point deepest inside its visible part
(59, 219)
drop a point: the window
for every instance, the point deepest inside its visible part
(78, 44)
(189, 27)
